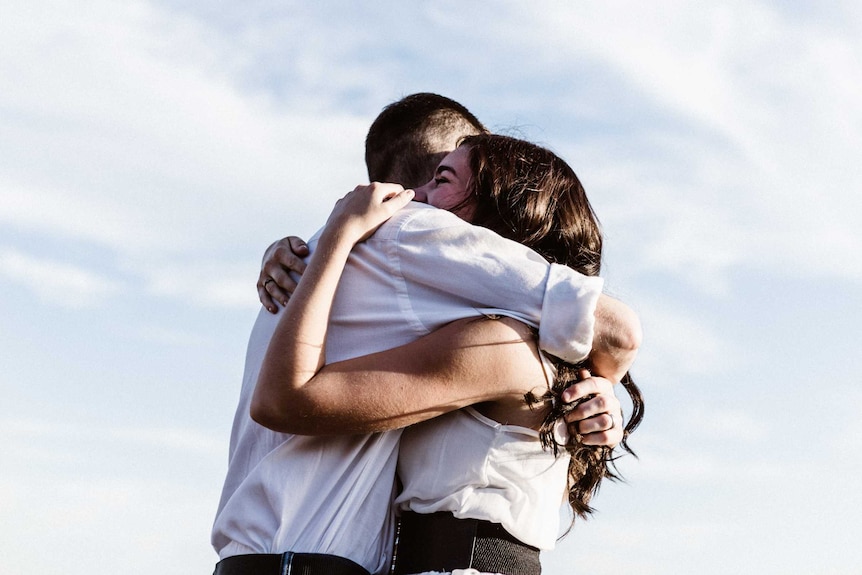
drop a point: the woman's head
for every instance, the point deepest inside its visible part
(523, 192)
(449, 188)
(528, 194)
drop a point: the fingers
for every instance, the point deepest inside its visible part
(358, 214)
(393, 196)
(587, 386)
(270, 290)
(264, 296)
(603, 429)
(274, 283)
(299, 248)
(286, 257)
(397, 200)
(598, 418)
(280, 285)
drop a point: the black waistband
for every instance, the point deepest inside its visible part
(441, 542)
(288, 564)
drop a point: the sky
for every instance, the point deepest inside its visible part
(151, 150)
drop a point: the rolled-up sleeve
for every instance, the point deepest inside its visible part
(568, 313)
(441, 257)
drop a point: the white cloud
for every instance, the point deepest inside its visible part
(209, 284)
(62, 213)
(122, 125)
(750, 156)
(136, 493)
(39, 440)
(54, 281)
(175, 438)
(677, 346)
(728, 425)
(847, 438)
(120, 525)
(171, 337)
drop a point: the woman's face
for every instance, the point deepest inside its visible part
(449, 187)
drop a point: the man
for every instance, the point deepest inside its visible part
(321, 505)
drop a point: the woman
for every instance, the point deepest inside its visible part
(522, 192)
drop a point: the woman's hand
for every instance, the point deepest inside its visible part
(358, 214)
(297, 350)
(599, 419)
(275, 284)
(280, 259)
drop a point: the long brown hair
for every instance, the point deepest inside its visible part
(528, 194)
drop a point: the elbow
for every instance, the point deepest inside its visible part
(618, 327)
(293, 416)
(264, 413)
(271, 403)
(630, 335)
(270, 411)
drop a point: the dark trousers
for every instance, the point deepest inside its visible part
(288, 564)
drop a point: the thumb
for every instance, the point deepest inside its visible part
(399, 200)
(297, 246)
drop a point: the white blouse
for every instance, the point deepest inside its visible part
(477, 468)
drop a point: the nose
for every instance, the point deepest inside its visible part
(421, 194)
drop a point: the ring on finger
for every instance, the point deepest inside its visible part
(613, 422)
(267, 281)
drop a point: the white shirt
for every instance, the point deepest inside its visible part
(477, 468)
(422, 269)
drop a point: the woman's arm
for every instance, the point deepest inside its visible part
(446, 370)
(300, 337)
(470, 361)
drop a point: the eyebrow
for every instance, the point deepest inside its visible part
(444, 168)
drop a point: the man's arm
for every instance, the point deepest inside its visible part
(407, 393)
(438, 253)
(616, 339)
(612, 331)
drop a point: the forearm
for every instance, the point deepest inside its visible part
(616, 339)
(297, 350)
(466, 362)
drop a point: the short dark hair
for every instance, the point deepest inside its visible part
(410, 137)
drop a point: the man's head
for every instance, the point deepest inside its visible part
(410, 137)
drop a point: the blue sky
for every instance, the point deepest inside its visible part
(149, 151)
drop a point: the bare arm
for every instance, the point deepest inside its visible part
(616, 339)
(293, 395)
(300, 336)
(469, 361)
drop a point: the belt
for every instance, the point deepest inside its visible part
(288, 564)
(441, 542)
